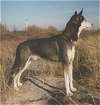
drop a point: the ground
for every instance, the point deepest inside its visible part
(46, 84)
(45, 90)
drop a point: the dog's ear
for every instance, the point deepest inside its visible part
(75, 12)
(80, 13)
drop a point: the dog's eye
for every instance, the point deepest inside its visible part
(81, 18)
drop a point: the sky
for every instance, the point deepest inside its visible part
(20, 13)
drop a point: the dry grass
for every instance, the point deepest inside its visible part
(86, 63)
(87, 53)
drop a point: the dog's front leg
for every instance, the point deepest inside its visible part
(70, 75)
(67, 85)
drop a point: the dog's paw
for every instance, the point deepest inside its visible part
(73, 89)
(16, 86)
(20, 84)
(69, 93)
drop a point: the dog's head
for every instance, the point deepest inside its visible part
(79, 20)
(76, 24)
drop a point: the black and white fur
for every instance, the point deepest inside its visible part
(59, 48)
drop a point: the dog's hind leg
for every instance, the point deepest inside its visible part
(17, 77)
(23, 57)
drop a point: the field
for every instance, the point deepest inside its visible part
(86, 69)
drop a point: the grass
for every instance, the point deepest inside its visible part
(87, 54)
(86, 62)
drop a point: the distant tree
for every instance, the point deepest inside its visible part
(3, 29)
(52, 29)
(33, 28)
(14, 28)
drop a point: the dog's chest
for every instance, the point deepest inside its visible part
(71, 53)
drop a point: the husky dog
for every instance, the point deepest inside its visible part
(59, 48)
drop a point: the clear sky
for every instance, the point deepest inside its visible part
(45, 13)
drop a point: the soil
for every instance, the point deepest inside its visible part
(45, 90)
